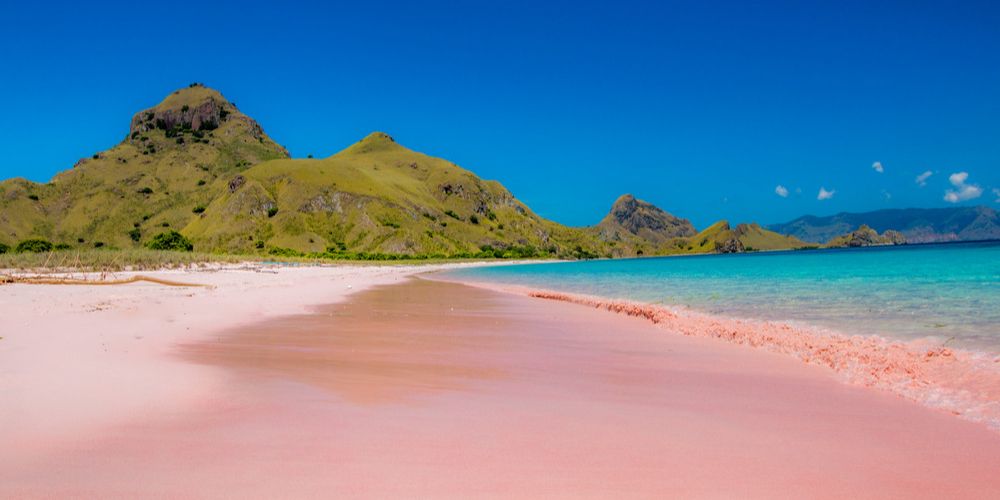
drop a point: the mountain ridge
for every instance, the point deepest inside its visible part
(194, 163)
(917, 225)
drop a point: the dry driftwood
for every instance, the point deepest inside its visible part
(44, 280)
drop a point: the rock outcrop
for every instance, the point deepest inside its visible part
(642, 219)
(865, 236)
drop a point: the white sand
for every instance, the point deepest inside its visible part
(105, 351)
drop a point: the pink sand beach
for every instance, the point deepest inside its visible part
(370, 382)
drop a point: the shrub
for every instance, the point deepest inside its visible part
(180, 140)
(145, 190)
(284, 252)
(171, 240)
(164, 224)
(4, 248)
(34, 246)
(452, 214)
(98, 244)
(135, 234)
(62, 246)
(184, 108)
(260, 244)
(201, 182)
(271, 212)
(199, 209)
(80, 240)
(473, 219)
(33, 197)
(96, 156)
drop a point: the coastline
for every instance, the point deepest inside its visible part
(293, 385)
(957, 381)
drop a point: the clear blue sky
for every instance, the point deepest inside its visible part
(703, 108)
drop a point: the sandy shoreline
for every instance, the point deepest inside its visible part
(422, 388)
(960, 382)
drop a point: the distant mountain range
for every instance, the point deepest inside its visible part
(917, 225)
(196, 165)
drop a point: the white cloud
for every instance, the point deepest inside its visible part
(781, 191)
(922, 178)
(824, 194)
(878, 167)
(962, 191)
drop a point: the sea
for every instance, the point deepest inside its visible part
(946, 294)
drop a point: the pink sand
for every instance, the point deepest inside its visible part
(431, 389)
(963, 383)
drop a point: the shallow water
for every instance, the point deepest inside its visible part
(949, 293)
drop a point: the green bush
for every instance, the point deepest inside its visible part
(284, 252)
(145, 190)
(135, 234)
(4, 248)
(201, 182)
(98, 244)
(62, 246)
(171, 240)
(199, 209)
(34, 246)
(473, 219)
(271, 212)
(452, 214)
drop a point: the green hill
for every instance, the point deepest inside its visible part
(195, 164)
(376, 196)
(176, 156)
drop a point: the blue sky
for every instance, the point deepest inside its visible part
(703, 108)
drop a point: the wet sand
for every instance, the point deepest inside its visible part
(431, 389)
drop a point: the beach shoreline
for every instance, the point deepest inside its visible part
(957, 381)
(292, 384)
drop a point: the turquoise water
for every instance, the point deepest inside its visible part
(949, 293)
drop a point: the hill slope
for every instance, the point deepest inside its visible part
(918, 225)
(194, 163)
(174, 158)
(376, 196)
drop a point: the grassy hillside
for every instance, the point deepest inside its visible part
(376, 197)
(152, 180)
(195, 164)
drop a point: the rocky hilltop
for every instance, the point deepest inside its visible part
(638, 218)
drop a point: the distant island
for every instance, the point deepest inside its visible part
(194, 173)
